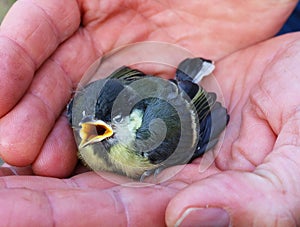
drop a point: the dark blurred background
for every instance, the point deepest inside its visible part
(293, 23)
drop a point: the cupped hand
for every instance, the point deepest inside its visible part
(255, 180)
(46, 47)
(255, 174)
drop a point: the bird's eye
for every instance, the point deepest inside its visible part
(118, 118)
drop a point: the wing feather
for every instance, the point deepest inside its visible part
(127, 74)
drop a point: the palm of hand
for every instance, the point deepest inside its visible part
(253, 92)
(258, 159)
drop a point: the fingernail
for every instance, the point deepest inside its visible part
(207, 217)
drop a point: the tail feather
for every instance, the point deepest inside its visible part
(194, 69)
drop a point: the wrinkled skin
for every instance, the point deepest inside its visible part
(45, 46)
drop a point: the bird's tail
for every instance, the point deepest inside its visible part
(194, 69)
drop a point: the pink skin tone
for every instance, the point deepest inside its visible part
(45, 46)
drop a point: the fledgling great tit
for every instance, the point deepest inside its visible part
(136, 124)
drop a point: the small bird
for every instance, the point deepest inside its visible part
(136, 124)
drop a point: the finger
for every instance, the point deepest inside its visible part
(120, 206)
(29, 34)
(59, 156)
(86, 180)
(231, 199)
(72, 206)
(46, 98)
(28, 124)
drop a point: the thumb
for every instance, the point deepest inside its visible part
(230, 198)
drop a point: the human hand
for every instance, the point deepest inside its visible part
(236, 80)
(256, 173)
(46, 47)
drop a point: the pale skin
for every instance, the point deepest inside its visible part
(44, 51)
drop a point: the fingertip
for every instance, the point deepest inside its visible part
(58, 157)
(40, 26)
(29, 34)
(23, 131)
(200, 202)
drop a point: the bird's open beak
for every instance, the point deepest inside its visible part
(94, 131)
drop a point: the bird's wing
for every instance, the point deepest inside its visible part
(210, 129)
(127, 74)
(189, 72)
(203, 102)
(213, 118)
